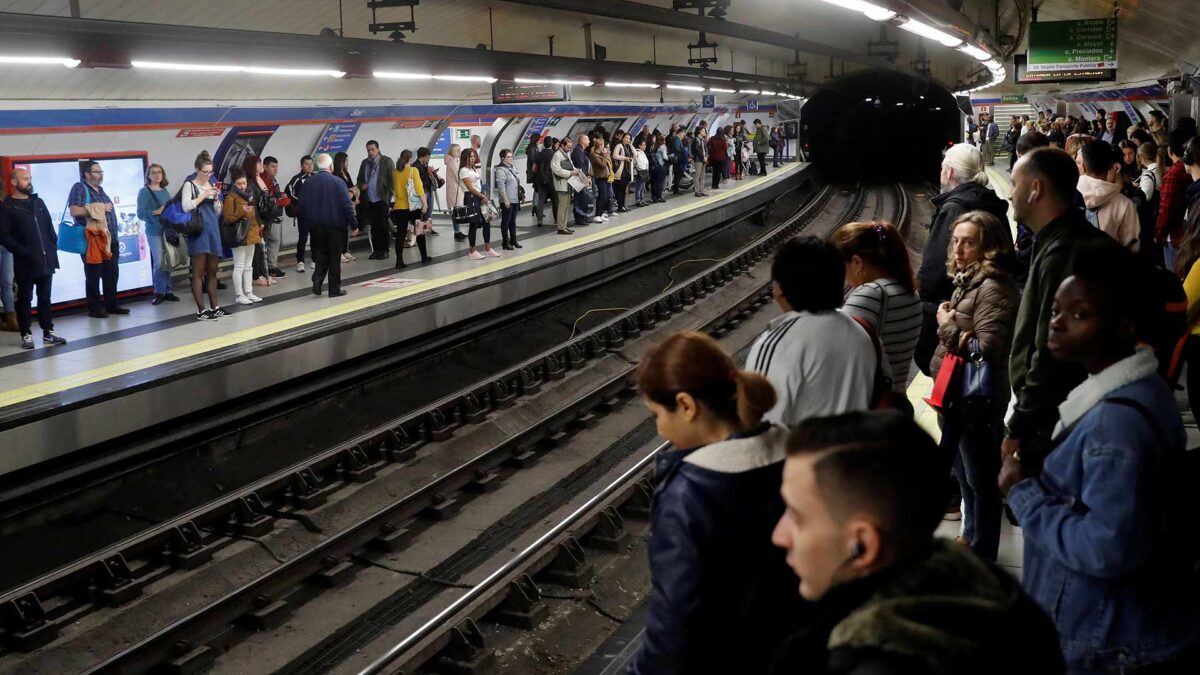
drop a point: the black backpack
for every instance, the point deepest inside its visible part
(1167, 327)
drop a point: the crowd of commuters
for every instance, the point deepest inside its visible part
(588, 179)
(1058, 399)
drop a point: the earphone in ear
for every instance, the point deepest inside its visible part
(858, 550)
(1032, 196)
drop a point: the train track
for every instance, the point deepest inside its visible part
(187, 643)
(452, 632)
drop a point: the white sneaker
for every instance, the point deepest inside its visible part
(254, 298)
(491, 253)
(300, 267)
(604, 217)
(597, 219)
(475, 255)
(243, 300)
(346, 257)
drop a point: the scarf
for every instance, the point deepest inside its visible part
(244, 194)
(1143, 363)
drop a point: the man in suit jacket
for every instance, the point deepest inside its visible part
(377, 186)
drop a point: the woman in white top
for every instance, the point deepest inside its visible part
(879, 272)
(454, 190)
(468, 175)
(1151, 178)
(641, 173)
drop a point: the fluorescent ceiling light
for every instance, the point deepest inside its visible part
(388, 75)
(927, 31)
(868, 100)
(529, 80)
(40, 61)
(722, 91)
(684, 87)
(993, 64)
(635, 85)
(764, 92)
(871, 11)
(224, 68)
(974, 51)
(465, 78)
(749, 91)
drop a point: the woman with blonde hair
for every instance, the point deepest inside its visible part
(715, 579)
(454, 187)
(977, 325)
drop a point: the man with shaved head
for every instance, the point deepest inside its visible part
(1043, 198)
(27, 231)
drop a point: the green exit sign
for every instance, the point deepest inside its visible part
(1012, 98)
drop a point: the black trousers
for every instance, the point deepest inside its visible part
(677, 171)
(328, 242)
(762, 163)
(621, 191)
(94, 274)
(376, 215)
(25, 288)
(718, 170)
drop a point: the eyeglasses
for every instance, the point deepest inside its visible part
(96, 172)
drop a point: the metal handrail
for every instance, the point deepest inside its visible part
(485, 586)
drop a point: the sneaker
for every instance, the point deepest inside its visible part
(274, 273)
(49, 337)
(475, 255)
(598, 219)
(26, 340)
(272, 281)
(243, 300)
(205, 315)
(158, 300)
(491, 253)
(171, 297)
(262, 281)
(346, 258)
(254, 298)
(300, 267)
(350, 256)
(952, 514)
(221, 285)
(459, 236)
(217, 312)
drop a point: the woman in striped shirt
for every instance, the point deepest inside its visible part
(882, 291)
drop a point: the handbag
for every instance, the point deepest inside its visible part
(978, 378)
(944, 385)
(72, 238)
(184, 222)
(174, 256)
(414, 199)
(234, 235)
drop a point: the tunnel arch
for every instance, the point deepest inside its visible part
(879, 125)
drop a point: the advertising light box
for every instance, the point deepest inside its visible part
(124, 177)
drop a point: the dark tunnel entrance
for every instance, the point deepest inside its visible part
(879, 125)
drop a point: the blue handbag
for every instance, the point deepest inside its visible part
(72, 238)
(978, 381)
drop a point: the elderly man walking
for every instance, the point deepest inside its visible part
(327, 209)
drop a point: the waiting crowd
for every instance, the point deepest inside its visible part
(393, 199)
(794, 517)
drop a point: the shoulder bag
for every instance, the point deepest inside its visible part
(72, 238)
(410, 188)
(978, 378)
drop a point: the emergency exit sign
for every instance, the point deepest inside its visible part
(1072, 45)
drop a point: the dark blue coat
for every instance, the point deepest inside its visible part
(722, 595)
(325, 200)
(29, 234)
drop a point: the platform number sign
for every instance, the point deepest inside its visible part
(752, 104)
(708, 102)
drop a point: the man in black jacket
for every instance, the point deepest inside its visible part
(964, 188)
(376, 184)
(1043, 197)
(545, 177)
(27, 231)
(330, 213)
(294, 187)
(864, 495)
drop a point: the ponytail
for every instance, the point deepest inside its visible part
(755, 396)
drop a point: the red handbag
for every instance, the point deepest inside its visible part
(945, 386)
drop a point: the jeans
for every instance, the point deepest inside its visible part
(508, 222)
(658, 177)
(777, 159)
(377, 225)
(677, 171)
(473, 201)
(302, 240)
(328, 243)
(978, 428)
(539, 204)
(603, 196)
(161, 277)
(6, 280)
(1169, 253)
(273, 238)
(43, 284)
(243, 270)
(639, 190)
(106, 272)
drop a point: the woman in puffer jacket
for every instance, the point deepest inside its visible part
(977, 323)
(721, 598)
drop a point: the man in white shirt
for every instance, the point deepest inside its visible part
(820, 361)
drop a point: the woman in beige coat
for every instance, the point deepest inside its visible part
(977, 324)
(454, 186)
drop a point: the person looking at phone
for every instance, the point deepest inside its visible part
(204, 247)
(89, 191)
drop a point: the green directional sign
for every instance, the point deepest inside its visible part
(1085, 44)
(1012, 98)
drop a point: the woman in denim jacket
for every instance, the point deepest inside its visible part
(1102, 554)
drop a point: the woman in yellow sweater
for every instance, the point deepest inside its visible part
(409, 206)
(239, 204)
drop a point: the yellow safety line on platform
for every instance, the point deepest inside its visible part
(68, 382)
